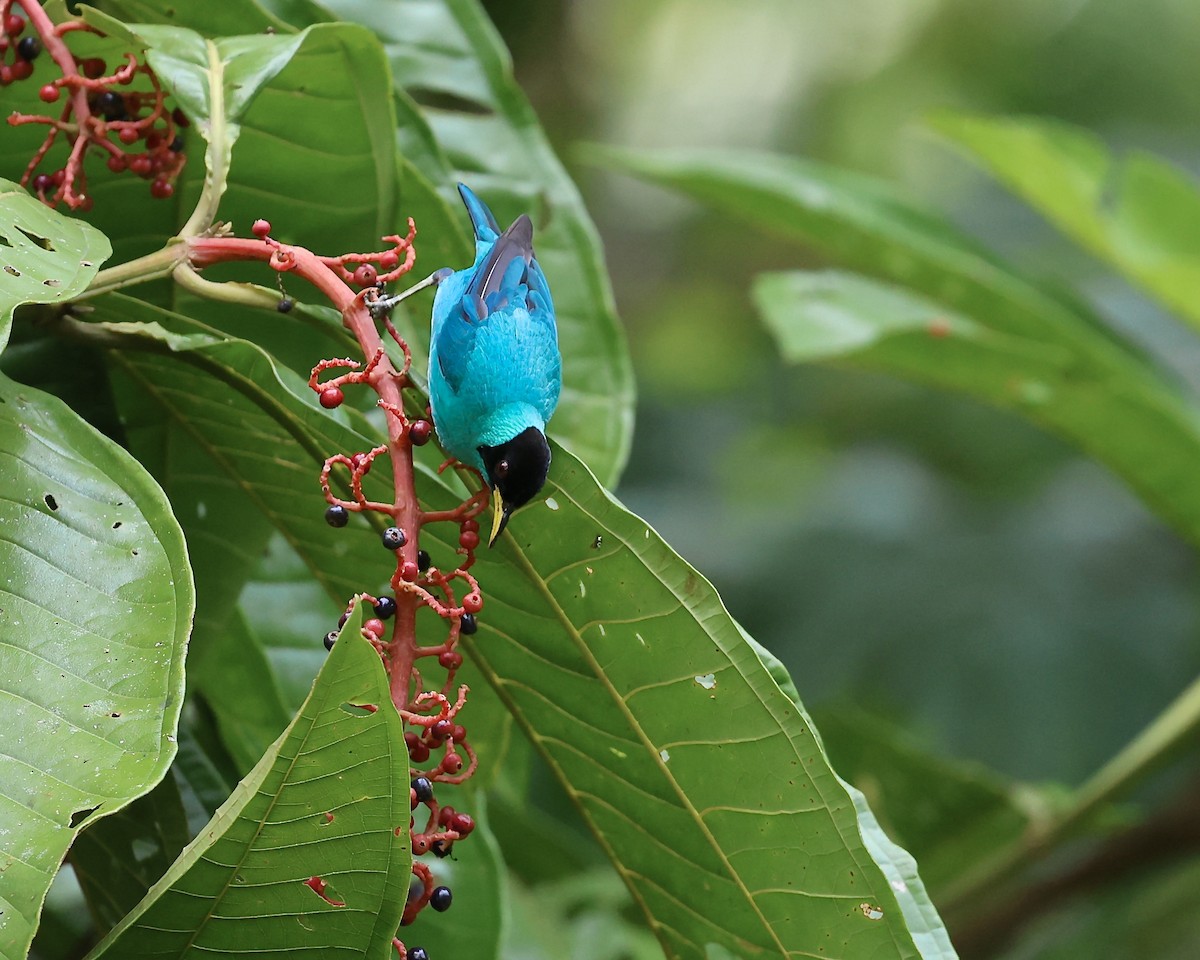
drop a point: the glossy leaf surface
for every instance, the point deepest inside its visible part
(95, 610)
(310, 851)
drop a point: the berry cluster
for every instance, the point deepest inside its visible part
(437, 742)
(103, 112)
(17, 53)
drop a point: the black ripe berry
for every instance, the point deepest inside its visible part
(393, 538)
(330, 639)
(285, 305)
(385, 607)
(111, 105)
(440, 899)
(423, 561)
(176, 145)
(417, 953)
(337, 516)
(423, 789)
(29, 47)
(468, 625)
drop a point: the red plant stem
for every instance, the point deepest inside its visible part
(53, 44)
(387, 382)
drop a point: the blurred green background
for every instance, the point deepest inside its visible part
(904, 551)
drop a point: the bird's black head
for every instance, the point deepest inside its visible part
(516, 471)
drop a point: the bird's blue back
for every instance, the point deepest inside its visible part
(494, 365)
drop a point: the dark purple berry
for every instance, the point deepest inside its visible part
(440, 899)
(423, 789)
(385, 607)
(468, 625)
(285, 305)
(393, 538)
(337, 516)
(423, 561)
(330, 639)
(176, 145)
(111, 105)
(417, 953)
(28, 48)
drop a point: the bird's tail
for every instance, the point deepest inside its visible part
(482, 220)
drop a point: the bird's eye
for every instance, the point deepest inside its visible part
(501, 470)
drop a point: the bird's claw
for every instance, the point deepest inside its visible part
(382, 306)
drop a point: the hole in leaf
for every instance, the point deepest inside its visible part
(33, 238)
(442, 100)
(52, 282)
(324, 891)
(50, 501)
(12, 270)
(80, 815)
(4, 241)
(359, 709)
(117, 525)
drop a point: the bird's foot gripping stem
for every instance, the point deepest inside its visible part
(382, 306)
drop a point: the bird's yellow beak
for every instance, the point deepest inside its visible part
(500, 515)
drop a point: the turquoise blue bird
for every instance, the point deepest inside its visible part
(495, 371)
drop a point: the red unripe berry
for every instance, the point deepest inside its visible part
(418, 432)
(468, 539)
(86, 203)
(450, 660)
(13, 25)
(92, 68)
(58, 176)
(462, 824)
(375, 626)
(22, 70)
(445, 815)
(6, 76)
(116, 163)
(362, 464)
(452, 763)
(262, 229)
(441, 730)
(472, 525)
(128, 135)
(141, 164)
(161, 188)
(153, 139)
(389, 260)
(366, 275)
(42, 182)
(459, 733)
(472, 602)
(48, 93)
(409, 571)
(331, 397)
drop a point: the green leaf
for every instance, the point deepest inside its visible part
(447, 56)
(608, 657)
(987, 813)
(95, 611)
(46, 257)
(1143, 430)
(330, 800)
(1139, 214)
(866, 224)
(119, 858)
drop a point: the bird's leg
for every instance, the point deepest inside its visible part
(383, 305)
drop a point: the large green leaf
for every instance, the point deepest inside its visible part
(447, 55)
(329, 801)
(866, 224)
(44, 256)
(95, 609)
(1142, 429)
(619, 662)
(1140, 214)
